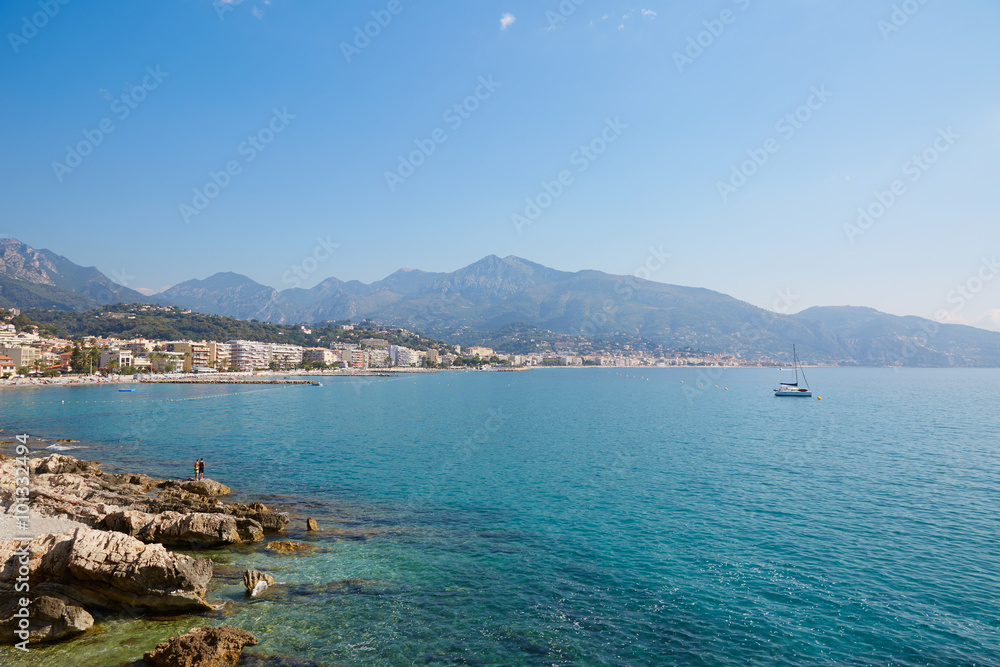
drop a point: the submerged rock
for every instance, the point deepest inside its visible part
(256, 582)
(311, 524)
(287, 546)
(253, 660)
(202, 647)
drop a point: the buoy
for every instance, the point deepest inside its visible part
(727, 388)
(819, 398)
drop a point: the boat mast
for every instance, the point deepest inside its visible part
(804, 378)
(795, 364)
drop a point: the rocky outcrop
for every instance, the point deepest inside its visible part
(55, 464)
(78, 490)
(202, 647)
(105, 548)
(49, 619)
(176, 529)
(311, 524)
(110, 570)
(201, 487)
(256, 582)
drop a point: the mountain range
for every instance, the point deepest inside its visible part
(491, 294)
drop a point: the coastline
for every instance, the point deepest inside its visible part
(98, 549)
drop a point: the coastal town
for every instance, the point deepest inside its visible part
(26, 350)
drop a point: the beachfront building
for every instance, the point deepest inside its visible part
(7, 365)
(8, 334)
(481, 352)
(286, 356)
(320, 355)
(167, 362)
(218, 354)
(401, 356)
(120, 358)
(350, 354)
(248, 355)
(22, 355)
(378, 358)
(196, 354)
(374, 342)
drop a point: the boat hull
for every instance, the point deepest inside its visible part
(802, 394)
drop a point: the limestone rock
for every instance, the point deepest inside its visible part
(311, 524)
(287, 546)
(248, 529)
(61, 463)
(129, 522)
(194, 529)
(51, 619)
(206, 487)
(270, 520)
(202, 647)
(176, 529)
(112, 570)
(256, 581)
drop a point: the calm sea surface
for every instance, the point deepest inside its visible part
(581, 516)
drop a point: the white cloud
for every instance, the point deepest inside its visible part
(258, 14)
(148, 291)
(990, 319)
(987, 320)
(649, 12)
(507, 20)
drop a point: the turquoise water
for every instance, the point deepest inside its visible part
(589, 516)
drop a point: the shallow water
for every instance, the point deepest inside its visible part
(581, 516)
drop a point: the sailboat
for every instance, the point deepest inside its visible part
(793, 388)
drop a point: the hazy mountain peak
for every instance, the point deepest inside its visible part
(68, 285)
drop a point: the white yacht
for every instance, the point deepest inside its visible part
(793, 388)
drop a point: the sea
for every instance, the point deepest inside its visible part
(593, 516)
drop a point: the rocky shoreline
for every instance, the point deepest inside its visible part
(100, 548)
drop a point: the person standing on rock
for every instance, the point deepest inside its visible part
(201, 468)
(196, 468)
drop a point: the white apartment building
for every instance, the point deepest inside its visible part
(378, 358)
(248, 355)
(286, 356)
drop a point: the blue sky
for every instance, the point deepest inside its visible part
(739, 137)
